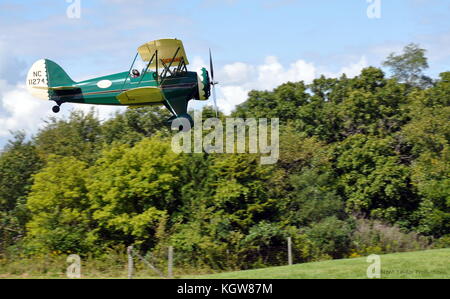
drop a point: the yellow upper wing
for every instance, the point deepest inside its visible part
(166, 51)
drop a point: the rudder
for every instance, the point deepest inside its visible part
(45, 75)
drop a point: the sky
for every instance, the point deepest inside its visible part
(256, 44)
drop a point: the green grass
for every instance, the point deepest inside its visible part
(415, 265)
(418, 265)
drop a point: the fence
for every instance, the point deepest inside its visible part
(133, 254)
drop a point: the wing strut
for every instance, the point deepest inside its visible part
(167, 67)
(148, 65)
(128, 74)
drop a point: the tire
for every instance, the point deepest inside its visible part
(183, 123)
(55, 109)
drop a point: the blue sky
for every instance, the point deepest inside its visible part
(256, 44)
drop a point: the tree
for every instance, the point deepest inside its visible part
(223, 197)
(134, 124)
(373, 180)
(79, 137)
(59, 206)
(282, 102)
(131, 189)
(18, 163)
(331, 236)
(313, 199)
(427, 140)
(240, 190)
(409, 66)
(431, 177)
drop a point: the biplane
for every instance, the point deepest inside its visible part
(164, 80)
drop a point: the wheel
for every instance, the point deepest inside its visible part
(183, 122)
(55, 109)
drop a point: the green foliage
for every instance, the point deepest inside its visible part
(134, 124)
(240, 189)
(281, 103)
(59, 207)
(331, 236)
(265, 244)
(409, 66)
(222, 202)
(372, 178)
(431, 177)
(18, 163)
(78, 137)
(334, 109)
(374, 237)
(375, 106)
(131, 189)
(311, 200)
(443, 242)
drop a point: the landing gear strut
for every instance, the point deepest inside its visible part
(183, 122)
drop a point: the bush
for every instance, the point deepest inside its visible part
(374, 237)
(111, 263)
(265, 245)
(442, 242)
(331, 236)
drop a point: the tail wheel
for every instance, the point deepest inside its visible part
(56, 109)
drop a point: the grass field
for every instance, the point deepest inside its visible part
(415, 265)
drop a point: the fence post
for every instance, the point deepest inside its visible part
(130, 261)
(289, 251)
(170, 263)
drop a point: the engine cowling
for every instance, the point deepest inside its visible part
(203, 85)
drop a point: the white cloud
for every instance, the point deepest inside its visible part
(197, 63)
(351, 70)
(237, 72)
(20, 110)
(232, 95)
(237, 79)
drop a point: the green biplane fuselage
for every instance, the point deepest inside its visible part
(177, 90)
(169, 84)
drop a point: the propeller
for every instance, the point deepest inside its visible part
(213, 83)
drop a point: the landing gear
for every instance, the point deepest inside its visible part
(56, 109)
(183, 122)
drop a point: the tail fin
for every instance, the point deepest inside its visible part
(44, 76)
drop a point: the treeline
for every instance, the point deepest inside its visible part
(364, 168)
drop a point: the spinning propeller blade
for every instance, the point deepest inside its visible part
(213, 83)
(211, 67)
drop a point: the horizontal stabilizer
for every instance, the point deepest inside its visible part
(141, 95)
